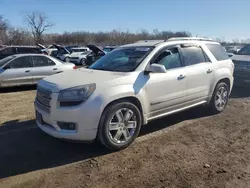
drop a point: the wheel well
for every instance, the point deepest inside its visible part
(226, 80)
(133, 100)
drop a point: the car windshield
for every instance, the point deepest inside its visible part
(6, 60)
(245, 50)
(122, 59)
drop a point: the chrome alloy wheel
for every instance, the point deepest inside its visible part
(122, 125)
(221, 98)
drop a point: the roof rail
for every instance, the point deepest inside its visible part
(156, 41)
(190, 38)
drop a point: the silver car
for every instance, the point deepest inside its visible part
(27, 69)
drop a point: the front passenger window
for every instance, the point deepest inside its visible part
(21, 62)
(169, 58)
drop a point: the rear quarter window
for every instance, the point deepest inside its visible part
(218, 51)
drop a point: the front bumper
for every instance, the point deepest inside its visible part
(86, 117)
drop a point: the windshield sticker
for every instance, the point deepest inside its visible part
(142, 49)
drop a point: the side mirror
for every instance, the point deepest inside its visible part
(156, 68)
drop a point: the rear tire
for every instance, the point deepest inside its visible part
(119, 126)
(219, 99)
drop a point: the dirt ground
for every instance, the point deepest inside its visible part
(192, 149)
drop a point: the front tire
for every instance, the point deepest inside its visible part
(66, 59)
(119, 126)
(220, 97)
(83, 62)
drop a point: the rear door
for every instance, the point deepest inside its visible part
(17, 72)
(43, 66)
(200, 73)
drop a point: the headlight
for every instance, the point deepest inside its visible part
(76, 94)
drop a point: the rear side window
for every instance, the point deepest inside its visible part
(193, 55)
(41, 61)
(27, 50)
(218, 51)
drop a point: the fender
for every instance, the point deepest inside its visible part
(123, 91)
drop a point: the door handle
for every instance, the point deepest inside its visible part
(209, 71)
(54, 68)
(181, 77)
(27, 71)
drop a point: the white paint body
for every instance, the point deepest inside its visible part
(159, 94)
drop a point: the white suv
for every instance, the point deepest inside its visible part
(131, 86)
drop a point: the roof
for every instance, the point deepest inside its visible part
(19, 46)
(170, 41)
(21, 55)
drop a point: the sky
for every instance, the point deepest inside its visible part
(226, 19)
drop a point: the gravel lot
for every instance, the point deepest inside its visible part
(190, 149)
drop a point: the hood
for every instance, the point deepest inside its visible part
(61, 48)
(241, 58)
(96, 49)
(83, 76)
(41, 46)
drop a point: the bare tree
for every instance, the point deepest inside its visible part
(38, 23)
(17, 36)
(3, 30)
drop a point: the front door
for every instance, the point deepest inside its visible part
(167, 91)
(17, 72)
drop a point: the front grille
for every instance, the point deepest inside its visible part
(43, 99)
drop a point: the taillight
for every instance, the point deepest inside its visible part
(75, 67)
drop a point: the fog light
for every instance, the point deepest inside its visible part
(67, 126)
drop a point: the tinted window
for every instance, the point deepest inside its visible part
(41, 61)
(169, 58)
(26, 50)
(193, 55)
(21, 62)
(7, 51)
(218, 51)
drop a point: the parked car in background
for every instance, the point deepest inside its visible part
(242, 66)
(108, 49)
(50, 50)
(79, 58)
(65, 52)
(96, 54)
(132, 85)
(232, 50)
(12, 50)
(26, 69)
